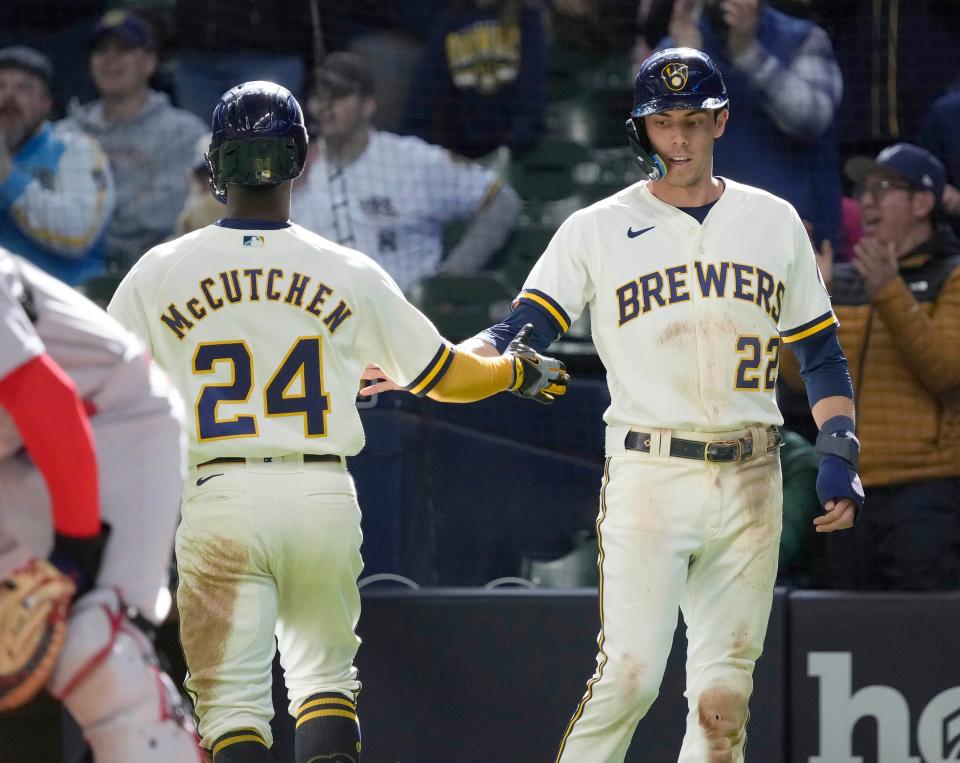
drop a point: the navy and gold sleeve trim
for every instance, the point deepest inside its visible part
(548, 305)
(824, 322)
(434, 371)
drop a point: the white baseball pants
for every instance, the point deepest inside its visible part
(675, 532)
(267, 549)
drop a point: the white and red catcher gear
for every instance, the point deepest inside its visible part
(108, 679)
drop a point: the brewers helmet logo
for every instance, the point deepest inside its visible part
(674, 76)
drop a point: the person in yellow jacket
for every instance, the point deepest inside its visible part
(898, 303)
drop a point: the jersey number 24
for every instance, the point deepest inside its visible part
(302, 367)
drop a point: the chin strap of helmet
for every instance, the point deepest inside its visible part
(650, 164)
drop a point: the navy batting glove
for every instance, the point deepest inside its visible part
(840, 458)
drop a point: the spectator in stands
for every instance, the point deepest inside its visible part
(150, 144)
(785, 84)
(898, 304)
(390, 196)
(940, 134)
(56, 191)
(222, 43)
(390, 38)
(481, 82)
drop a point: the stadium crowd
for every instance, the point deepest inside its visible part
(443, 132)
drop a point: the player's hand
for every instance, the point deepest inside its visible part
(877, 263)
(683, 26)
(838, 484)
(839, 516)
(381, 382)
(743, 19)
(535, 376)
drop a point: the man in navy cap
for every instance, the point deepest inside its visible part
(150, 143)
(898, 303)
(56, 191)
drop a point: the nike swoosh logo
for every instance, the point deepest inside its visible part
(631, 233)
(201, 480)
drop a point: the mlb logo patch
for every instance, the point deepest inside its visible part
(257, 240)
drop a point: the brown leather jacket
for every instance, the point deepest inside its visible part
(903, 350)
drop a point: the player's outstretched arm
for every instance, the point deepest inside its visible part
(483, 372)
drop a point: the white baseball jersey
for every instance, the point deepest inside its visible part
(392, 202)
(687, 319)
(101, 358)
(313, 315)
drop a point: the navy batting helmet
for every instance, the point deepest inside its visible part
(259, 137)
(675, 78)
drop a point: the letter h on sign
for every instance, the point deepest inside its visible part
(938, 728)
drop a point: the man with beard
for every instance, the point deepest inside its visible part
(56, 190)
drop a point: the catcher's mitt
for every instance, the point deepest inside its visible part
(33, 625)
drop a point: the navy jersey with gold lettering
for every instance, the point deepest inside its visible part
(267, 332)
(688, 319)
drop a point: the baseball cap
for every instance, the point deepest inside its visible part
(916, 165)
(126, 26)
(345, 73)
(29, 60)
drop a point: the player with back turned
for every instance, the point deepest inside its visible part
(265, 328)
(694, 283)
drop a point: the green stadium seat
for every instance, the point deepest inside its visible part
(461, 304)
(549, 170)
(591, 121)
(536, 226)
(564, 72)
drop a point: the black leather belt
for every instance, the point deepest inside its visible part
(716, 451)
(308, 458)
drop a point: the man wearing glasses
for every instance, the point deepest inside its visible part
(898, 303)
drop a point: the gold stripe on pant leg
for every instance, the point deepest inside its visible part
(603, 661)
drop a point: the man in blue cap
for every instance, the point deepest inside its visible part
(898, 303)
(149, 142)
(56, 191)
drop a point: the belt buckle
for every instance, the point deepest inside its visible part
(706, 451)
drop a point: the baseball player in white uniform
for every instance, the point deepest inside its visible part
(390, 196)
(90, 429)
(694, 283)
(265, 328)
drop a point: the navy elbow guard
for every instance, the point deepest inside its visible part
(839, 451)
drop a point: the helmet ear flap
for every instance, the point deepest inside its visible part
(650, 164)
